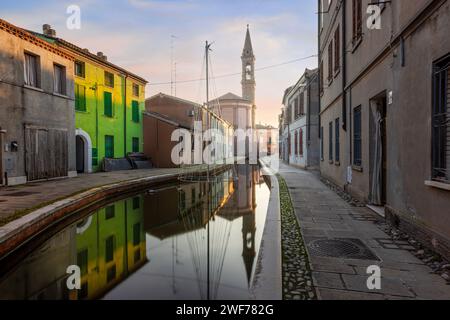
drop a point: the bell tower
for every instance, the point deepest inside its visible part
(248, 73)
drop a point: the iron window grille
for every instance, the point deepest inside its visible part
(441, 121)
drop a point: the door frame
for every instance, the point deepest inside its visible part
(87, 149)
(380, 103)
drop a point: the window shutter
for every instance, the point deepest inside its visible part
(108, 104)
(135, 111)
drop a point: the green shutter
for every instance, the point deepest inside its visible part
(80, 97)
(135, 111)
(135, 144)
(109, 147)
(108, 104)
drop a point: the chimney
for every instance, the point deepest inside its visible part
(48, 31)
(102, 56)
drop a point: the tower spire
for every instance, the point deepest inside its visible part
(248, 48)
(248, 73)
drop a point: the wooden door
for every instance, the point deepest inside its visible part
(46, 153)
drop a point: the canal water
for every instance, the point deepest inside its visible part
(193, 240)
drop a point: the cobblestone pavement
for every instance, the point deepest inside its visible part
(19, 198)
(339, 267)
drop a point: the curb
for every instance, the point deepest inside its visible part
(267, 284)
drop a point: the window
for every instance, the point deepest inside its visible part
(109, 147)
(248, 72)
(330, 61)
(135, 111)
(111, 273)
(136, 234)
(357, 137)
(80, 98)
(302, 104)
(321, 144)
(108, 104)
(337, 49)
(330, 141)
(301, 142)
(59, 79)
(31, 70)
(441, 121)
(296, 143)
(80, 69)
(193, 196)
(182, 200)
(357, 21)
(337, 146)
(135, 143)
(137, 255)
(135, 90)
(109, 79)
(136, 203)
(109, 249)
(82, 261)
(289, 145)
(110, 212)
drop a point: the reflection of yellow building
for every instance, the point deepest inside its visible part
(110, 245)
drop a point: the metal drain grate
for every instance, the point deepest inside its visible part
(341, 248)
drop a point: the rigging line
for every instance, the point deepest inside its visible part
(237, 73)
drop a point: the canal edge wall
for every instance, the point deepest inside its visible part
(21, 230)
(267, 282)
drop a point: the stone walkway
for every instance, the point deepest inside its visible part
(324, 215)
(16, 199)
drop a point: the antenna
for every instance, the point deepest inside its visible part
(173, 90)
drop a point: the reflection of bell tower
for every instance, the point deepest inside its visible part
(248, 243)
(248, 74)
(249, 226)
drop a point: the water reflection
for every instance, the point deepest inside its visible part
(155, 245)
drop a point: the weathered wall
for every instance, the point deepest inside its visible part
(22, 106)
(157, 141)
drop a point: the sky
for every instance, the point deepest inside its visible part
(138, 35)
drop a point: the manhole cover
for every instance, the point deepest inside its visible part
(341, 248)
(19, 194)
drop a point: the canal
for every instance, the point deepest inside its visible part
(192, 240)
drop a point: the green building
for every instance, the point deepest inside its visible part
(109, 102)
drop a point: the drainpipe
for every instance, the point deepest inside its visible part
(344, 66)
(308, 132)
(2, 175)
(125, 118)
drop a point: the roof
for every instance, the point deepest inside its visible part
(299, 84)
(34, 39)
(85, 53)
(164, 118)
(231, 96)
(168, 96)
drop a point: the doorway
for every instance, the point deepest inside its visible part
(378, 150)
(80, 147)
(83, 152)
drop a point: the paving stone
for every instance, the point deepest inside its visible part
(332, 294)
(327, 280)
(388, 285)
(333, 268)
